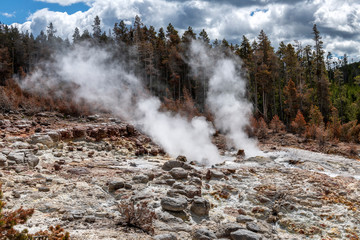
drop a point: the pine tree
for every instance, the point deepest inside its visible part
(322, 86)
(96, 28)
(76, 35)
(299, 123)
(203, 36)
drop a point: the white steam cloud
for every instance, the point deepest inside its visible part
(226, 95)
(100, 79)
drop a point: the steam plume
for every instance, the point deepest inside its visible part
(226, 94)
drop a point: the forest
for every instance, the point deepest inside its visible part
(297, 88)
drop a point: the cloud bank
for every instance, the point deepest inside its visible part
(282, 20)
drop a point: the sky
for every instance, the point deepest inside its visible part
(282, 20)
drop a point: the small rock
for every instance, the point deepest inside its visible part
(90, 219)
(167, 236)
(244, 219)
(211, 174)
(16, 194)
(203, 234)
(17, 157)
(115, 185)
(191, 191)
(91, 153)
(240, 153)
(130, 130)
(43, 139)
(20, 145)
(57, 167)
(44, 189)
(55, 136)
(178, 173)
(181, 158)
(252, 227)
(57, 154)
(243, 234)
(200, 206)
(32, 160)
(175, 164)
(93, 117)
(79, 171)
(141, 179)
(3, 160)
(227, 228)
(174, 204)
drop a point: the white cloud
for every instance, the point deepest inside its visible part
(8, 15)
(282, 21)
(65, 2)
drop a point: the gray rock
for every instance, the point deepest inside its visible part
(77, 214)
(253, 227)
(178, 173)
(191, 191)
(203, 234)
(141, 178)
(32, 160)
(43, 139)
(167, 236)
(20, 145)
(200, 206)
(44, 189)
(227, 228)
(216, 174)
(174, 204)
(115, 185)
(79, 171)
(244, 219)
(17, 157)
(55, 136)
(90, 219)
(48, 208)
(173, 164)
(243, 234)
(3, 160)
(181, 158)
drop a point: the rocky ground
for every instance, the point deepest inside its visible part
(100, 178)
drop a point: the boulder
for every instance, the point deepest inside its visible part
(174, 204)
(55, 136)
(200, 206)
(32, 160)
(79, 132)
(243, 234)
(115, 185)
(178, 173)
(43, 139)
(3, 160)
(203, 234)
(141, 178)
(181, 158)
(227, 228)
(79, 171)
(17, 157)
(167, 236)
(244, 219)
(175, 164)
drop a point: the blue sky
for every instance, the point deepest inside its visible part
(17, 11)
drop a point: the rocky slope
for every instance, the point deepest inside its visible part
(100, 178)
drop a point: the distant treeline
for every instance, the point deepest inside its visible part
(293, 78)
